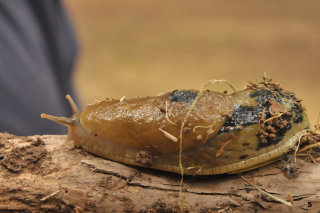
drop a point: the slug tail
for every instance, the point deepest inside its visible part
(61, 120)
(73, 105)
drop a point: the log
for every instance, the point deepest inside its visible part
(39, 174)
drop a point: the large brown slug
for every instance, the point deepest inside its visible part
(224, 133)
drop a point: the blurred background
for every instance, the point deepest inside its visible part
(145, 47)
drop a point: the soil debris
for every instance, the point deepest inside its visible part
(144, 158)
(162, 207)
(273, 119)
(276, 108)
(309, 145)
(25, 157)
(312, 137)
(266, 83)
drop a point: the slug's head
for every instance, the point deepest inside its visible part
(71, 122)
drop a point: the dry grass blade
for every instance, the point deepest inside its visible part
(122, 98)
(168, 135)
(290, 198)
(220, 151)
(266, 193)
(167, 115)
(50, 195)
(309, 147)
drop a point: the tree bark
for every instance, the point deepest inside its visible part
(38, 174)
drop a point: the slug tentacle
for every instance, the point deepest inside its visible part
(61, 120)
(73, 105)
(71, 122)
(64, 120)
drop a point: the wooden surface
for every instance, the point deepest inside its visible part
(38, 175)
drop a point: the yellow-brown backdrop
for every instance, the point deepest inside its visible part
(145, 47)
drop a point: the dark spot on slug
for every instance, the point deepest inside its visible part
(282, 124)
(183, 96)
(241, 116)
(189, 156)
(242, 157)
(274, 128)
(280, 132)
(162, 109)
(226, 157)
(96, 135)
(186, 130)
(298, 118)
(262, 96)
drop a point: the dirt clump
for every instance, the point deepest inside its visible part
(16, 159)
(161, 207)
(144, 158)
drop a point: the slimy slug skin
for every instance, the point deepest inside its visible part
(224, 133)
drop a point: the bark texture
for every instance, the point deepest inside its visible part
(37, 174)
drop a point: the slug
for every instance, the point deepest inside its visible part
(223, 133)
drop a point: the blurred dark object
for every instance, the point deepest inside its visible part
(37, 54)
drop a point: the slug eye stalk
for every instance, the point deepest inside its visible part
(61, 120)
(73, 105)
(64, 120)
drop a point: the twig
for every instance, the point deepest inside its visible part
(168, 135)
(167, 115)
(220, 151)
(309, 147)
(50, 195)
(266, 193)
(290, 198)
(122, 98)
